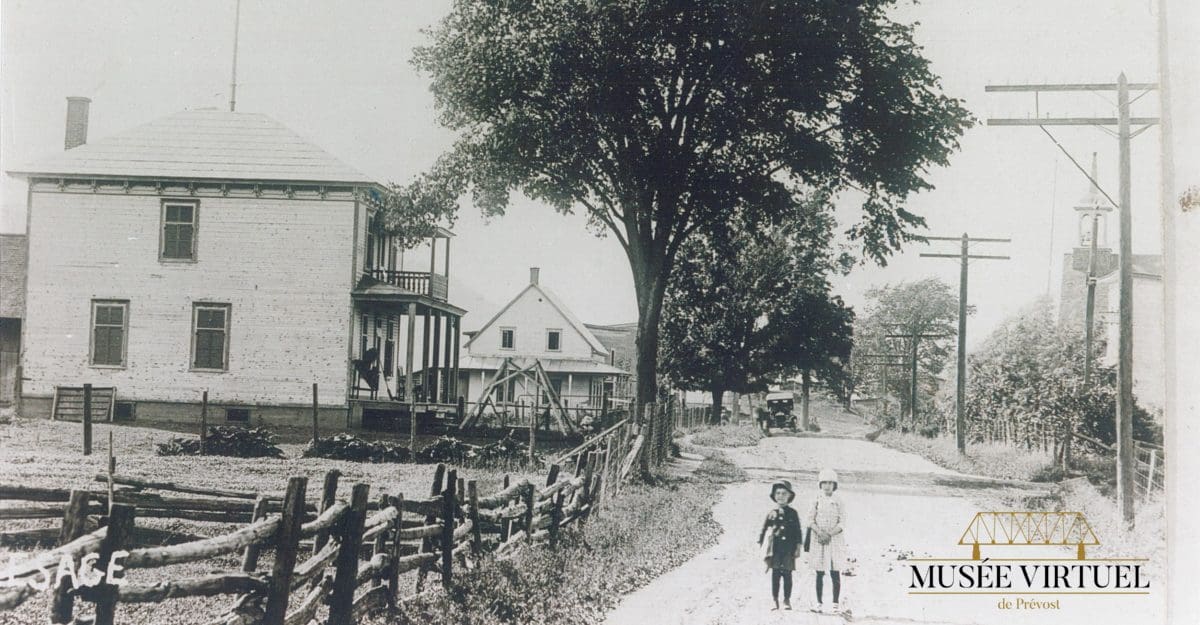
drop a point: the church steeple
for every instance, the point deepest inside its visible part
(1093, 203)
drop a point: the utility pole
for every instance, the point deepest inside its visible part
(960, 399)
(914, 338)
(884, 361)
(1123, 122)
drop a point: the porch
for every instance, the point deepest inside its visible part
(404, 350)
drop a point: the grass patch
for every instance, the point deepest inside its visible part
(985, 459)
(728, 435)
(1147, 539)
(648, 531)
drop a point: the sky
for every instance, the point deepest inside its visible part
(338, 73)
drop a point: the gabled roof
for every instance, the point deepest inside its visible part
(550, 297)
(203, 144)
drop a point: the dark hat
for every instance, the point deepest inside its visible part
(785, 485)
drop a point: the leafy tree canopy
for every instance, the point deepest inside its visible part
(1030, 371)
(743, 311)
(662, 117)
(928, 306)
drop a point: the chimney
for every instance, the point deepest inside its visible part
(77, 121)
(533, 275)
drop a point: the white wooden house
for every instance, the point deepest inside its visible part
(536, 325)
(221, 252)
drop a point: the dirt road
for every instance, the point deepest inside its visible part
(898, 506)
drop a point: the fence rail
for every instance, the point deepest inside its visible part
(346, 553)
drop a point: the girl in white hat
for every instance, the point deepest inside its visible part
(826, 518)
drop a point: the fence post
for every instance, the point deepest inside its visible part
(551, 477)
(588, 473)
(316, 428)
(203, 420)
(74, 525)
(250, 555)
(87, 419)
(120, 531)
(394, 573)
(328, 496)
(505, 524)
(381, 539)
(528, 496)
(532, 432)
(476, 533)
(426, 543)
(447, 541)
(287, 542)
(345, 576)
(1150, 473)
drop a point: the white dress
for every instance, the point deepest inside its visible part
(829, 514)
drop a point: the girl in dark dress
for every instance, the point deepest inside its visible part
(781, 541)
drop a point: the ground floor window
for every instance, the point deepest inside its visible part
(110, 324)
(210, 337)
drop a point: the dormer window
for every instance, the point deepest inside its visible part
(178, 238)
(553, 340)
(508, 338)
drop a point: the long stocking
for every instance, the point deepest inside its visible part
(820, 585)
(836, 577)
(776, 575)
(787, 586)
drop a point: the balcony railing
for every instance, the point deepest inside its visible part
(421, 282)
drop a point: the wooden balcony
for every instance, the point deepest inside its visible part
(419, 282)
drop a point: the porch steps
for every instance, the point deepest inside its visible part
(68, 403)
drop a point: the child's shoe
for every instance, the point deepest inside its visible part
(836, 609)
(818, 608)
(776, 606)
(787, 605)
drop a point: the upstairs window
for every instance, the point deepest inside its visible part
(179, 230)
(210, 337)
(553, 340)
(110, 324)
(508, 338)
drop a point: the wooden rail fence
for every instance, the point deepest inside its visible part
(344, 553)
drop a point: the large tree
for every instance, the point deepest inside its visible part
(746, 309)
(927, 307)
(662, 117)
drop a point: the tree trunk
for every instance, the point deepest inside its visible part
(718, 394)
(805, 383)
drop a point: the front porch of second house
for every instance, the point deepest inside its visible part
(405, 350)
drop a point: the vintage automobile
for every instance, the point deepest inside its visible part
(778, 414)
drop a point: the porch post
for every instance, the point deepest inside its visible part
(408, 375)
(432, 263)
(425, 357)
(447, 360)
(434, 377)
(447, 272)
(454, 366)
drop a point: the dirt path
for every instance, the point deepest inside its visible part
(897, 503)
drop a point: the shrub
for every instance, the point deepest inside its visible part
(225, 440)
(743, 435)
(625, 548)
(1048, 473)
(930, 431)
(508, 450)
(449, 450)
(353, 448)
(813, 426)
